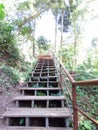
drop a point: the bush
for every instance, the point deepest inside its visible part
(8, 49)
(12, 73)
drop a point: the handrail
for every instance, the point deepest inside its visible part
(82, 112)
(65, 70)
(85, 82)
(68, 91)
(74, 83)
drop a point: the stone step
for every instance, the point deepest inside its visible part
(35, 128)
(37, 112)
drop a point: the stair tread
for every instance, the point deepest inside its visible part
(39, 98)
(42, 81)
(37, 112)
(28, 88)
(35, 128)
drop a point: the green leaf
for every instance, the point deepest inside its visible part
(2, 11)
(26, 30)
(1, 6)
(21, 121)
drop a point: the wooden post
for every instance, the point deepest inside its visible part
(47, 92)
(27, 121)
(75, 113)
(47, 104)
(35, 93)
(67, 122)
(47, 122)
(23, 93)
(32, 103)
(62, 103)
(7, 121)
(17, 103)
(60, 76)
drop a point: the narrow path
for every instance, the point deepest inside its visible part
(42, 105)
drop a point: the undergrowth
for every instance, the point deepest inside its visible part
(87, 97)
(15, 75)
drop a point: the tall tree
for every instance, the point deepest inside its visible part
(55, 6)
(26, 15)
(55, 42)
(77, 15)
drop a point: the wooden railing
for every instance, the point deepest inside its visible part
(73, 93)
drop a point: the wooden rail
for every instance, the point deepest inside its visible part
(74, 84)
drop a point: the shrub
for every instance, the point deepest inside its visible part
(8, 49)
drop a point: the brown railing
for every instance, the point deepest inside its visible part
(72, 93)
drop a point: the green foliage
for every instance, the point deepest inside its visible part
(19, 73)
(22, 121)
(12, 73)
(26, 30)
(42, 43)
(85, 71)
(50, 86)
(67, 55)
(34, 86)
(24, 5)
(39, 93)
(85, 125)
(46, 4)
(8, 49)
(66, 19)
(55, 94)
(2, 11)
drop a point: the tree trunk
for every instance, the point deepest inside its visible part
(34, 40)
(55, 42)
(62, 26)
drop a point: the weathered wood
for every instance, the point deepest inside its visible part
(26, 88)
(35, 128)
(45, 74)
(39, 98)
(37, 112)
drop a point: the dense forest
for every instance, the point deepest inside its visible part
(76, 19)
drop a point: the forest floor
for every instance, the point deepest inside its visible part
(7, 95)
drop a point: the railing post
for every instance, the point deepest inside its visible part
(75, 112)
(60, 76)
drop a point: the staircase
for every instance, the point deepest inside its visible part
(42, 105)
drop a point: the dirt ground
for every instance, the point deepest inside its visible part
(6, 99)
